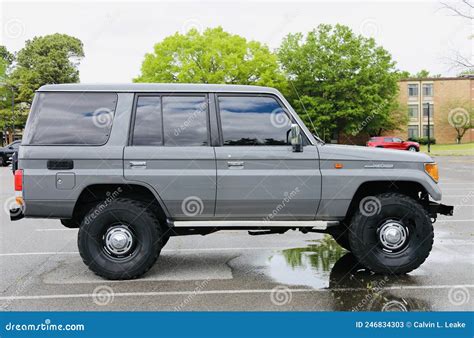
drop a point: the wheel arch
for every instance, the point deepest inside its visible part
(94, 193)
(413, 189)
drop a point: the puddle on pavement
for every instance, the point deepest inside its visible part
(308, 266)
(324, 264)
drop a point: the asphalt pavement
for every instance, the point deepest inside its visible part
(232, 271)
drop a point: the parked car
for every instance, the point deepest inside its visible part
(390, 142)
(132, 165)
(7, 152)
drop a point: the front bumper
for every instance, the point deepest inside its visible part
(438, 208)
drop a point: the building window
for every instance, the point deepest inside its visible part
(413, 89)
(425, 110)
(413, 111)
(428, 89)
(412, 131)
(425, 131)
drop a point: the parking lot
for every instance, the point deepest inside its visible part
(42, 270)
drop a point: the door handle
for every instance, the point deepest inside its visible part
(235, 164)
(137, 164)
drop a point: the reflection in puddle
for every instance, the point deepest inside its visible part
(324, 264)
(309, 266)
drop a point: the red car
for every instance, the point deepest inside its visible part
(390, 142)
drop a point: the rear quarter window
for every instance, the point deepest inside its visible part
(70, 118)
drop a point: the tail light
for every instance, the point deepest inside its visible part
(19, 180)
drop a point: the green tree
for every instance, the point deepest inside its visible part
(339, 79)
(214, 56)
(46, 60)
(6, 59)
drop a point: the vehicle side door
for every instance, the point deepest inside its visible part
(259, 176)
(170, 150)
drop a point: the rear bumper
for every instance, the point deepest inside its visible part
(438, 208)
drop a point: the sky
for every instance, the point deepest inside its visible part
(117, 34)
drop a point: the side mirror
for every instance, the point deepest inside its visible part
(295, 138)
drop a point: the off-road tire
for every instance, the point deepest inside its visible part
(364, 239)
(147, 233)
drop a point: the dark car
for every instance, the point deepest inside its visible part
(7, 152)
(390, 142)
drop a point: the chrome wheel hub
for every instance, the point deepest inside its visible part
(118, 240)
(392, 235)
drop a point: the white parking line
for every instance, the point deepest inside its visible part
(220, 292)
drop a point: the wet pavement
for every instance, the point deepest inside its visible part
(41, 269)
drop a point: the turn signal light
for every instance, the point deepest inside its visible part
(19, 180)
(432, 170)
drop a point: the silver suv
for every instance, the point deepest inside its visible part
(132, 165)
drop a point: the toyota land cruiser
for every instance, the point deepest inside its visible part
(132, 165)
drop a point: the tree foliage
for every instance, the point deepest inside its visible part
(339, 79)
(46, 60)
(213, 56)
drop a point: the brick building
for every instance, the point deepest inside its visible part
(448, 97)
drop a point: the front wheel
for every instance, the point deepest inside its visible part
(391, 233)
(412, 148)
(121, 240)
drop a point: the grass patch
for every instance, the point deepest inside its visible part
(464, 149)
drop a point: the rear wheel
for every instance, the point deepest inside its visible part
(121, 240)
(391, 233)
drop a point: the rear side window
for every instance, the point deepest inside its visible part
(148, 130)
(171, 121)
(253, 120)
(71, 119)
